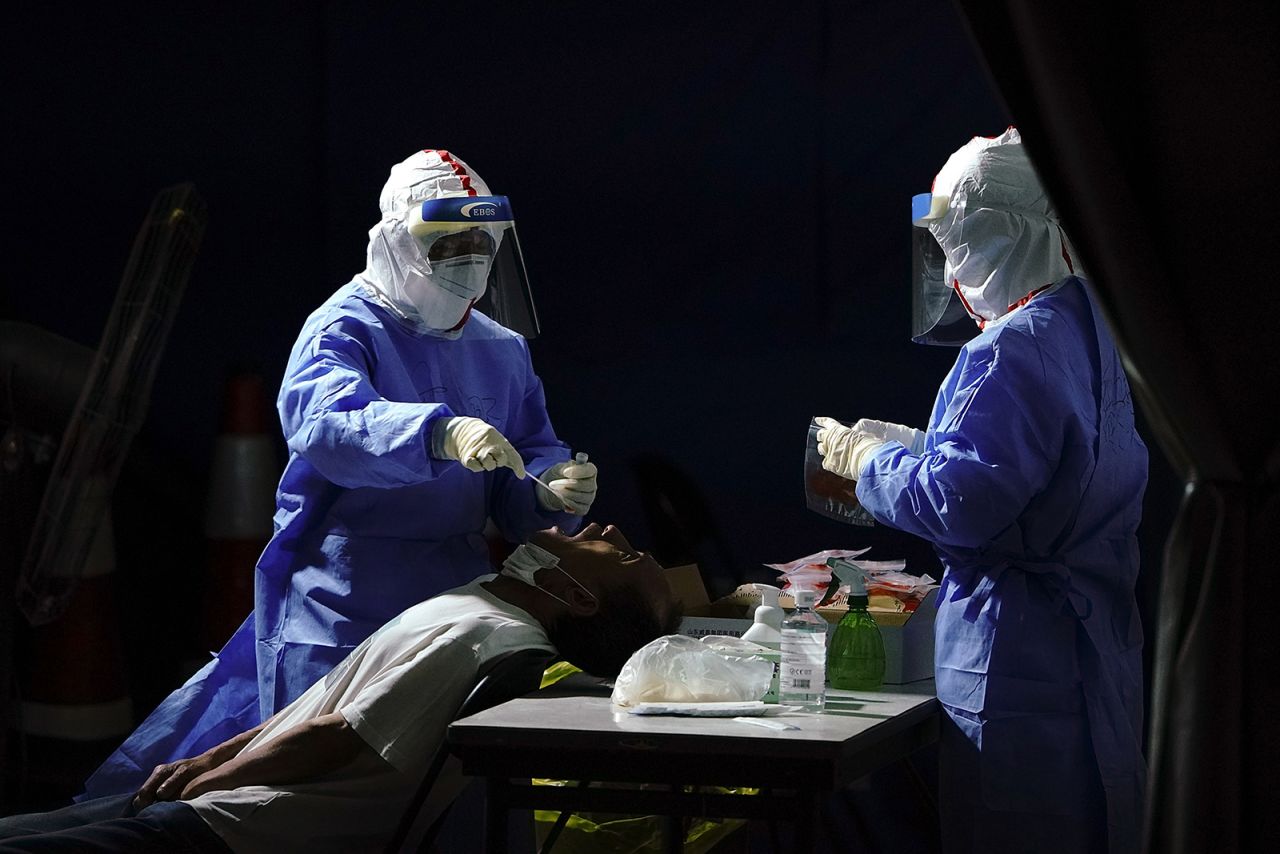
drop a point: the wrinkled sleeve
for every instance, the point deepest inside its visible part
(404, 711)
(995, 446)
(514, 505)
(335, 419)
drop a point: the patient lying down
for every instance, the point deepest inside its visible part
(335, 769)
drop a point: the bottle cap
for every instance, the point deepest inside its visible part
(806, 598)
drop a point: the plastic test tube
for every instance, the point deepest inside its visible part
(578, 458)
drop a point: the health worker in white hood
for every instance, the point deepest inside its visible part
(412, 418)
(1028, 481)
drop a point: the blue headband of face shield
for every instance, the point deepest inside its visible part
(472, 210)
(508, 298)
(437, 218)
(927, 207)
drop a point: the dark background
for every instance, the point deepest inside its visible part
(712, 201)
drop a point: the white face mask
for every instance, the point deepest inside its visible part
(526, 560)
(443, 294)
(433, 296)
(523, 564)
(463, 275)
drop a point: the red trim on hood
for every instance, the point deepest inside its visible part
(1020, 303)
(457, 168)
(465, 317)
(982, 323)
(955, 283)
(1066, 256)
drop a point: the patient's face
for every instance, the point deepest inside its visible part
(604, 555)
(592, 539)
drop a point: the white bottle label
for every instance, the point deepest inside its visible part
(804, 657)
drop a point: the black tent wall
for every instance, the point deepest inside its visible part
(1155, 128)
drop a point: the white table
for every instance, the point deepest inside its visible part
(582, 736)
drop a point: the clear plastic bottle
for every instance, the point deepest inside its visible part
(802, 680)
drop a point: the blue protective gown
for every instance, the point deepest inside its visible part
(367, 522)
(1030, 486)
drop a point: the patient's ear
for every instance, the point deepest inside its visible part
(581, 603)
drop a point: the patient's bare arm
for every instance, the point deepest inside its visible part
(306, 752)
(167, 781)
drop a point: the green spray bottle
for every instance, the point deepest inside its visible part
(856, 658)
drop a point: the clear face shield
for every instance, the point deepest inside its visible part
(471, 245)
(937, 314)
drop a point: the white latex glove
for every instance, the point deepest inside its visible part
(910, 437)
(573, 483)
(844, 449)
(474, 443)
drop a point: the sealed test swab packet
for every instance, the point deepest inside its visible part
(705, 710)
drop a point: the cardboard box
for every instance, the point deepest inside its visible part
(908, 636)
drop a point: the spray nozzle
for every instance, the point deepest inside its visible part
(849, 573)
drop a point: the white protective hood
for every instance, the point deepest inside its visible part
(423, 176)
(997, 227)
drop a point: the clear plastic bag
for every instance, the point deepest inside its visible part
(811, 572)
(887, 582)
(892, 582)
(679, 669)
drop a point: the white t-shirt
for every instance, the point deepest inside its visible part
(399, 690)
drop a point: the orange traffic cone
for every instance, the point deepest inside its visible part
(241, 501)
